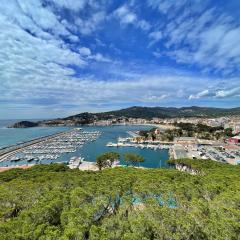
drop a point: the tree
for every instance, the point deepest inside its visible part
(133, 158)
(228, 132)
(107, 159)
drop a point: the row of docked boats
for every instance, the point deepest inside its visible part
(138, 145)
(52, 149)
(75, 162)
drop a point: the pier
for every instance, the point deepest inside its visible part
(133, 134)
(13, 149)
(50, 147)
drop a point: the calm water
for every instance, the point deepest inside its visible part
(153, 159)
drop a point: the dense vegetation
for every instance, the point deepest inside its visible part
(166, 112)
(202, 131)
(54, 202)
(107, 159)
(189, 130)
(24, 124)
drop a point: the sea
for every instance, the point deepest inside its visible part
(153, 158)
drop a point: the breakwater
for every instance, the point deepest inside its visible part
(13, 149)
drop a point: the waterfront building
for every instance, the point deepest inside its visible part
(236, 128)
(185, 140)
(234, 140)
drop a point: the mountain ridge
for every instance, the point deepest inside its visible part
(137, 112)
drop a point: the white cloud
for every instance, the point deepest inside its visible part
(199, 35)
(91, 24)
(85, 51)
(157, 54)
(74, 5)
(42, 48)
(218, 91)
(155, 36)
(201, 94)
(228, 93)
(166, 5)
(154, 98)
(126, 16)
(99, 58)
(144, 25)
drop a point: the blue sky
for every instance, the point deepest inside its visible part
(61, 57)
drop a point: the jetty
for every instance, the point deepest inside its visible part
(13, 149)
(133, 134)
(50, 147)
(75, 162)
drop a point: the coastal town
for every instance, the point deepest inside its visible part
(217, 139)
(219, 142)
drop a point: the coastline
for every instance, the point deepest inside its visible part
(92, 149)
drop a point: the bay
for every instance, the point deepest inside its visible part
(153, 158)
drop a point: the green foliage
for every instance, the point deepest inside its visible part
(107, 159)
(228, 132)
(133, 158)
(194, 130)
(53, 202)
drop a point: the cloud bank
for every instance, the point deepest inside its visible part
(59, 57)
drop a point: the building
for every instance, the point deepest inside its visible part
(157, 131)
(236, 128)
(185, 140)
(179, 152)
(234, 140)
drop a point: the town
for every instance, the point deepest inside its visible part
(217, 139)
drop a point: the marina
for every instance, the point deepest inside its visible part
(137, 145)
(61, 151)
(49, 148)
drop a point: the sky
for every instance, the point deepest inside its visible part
(61, 57)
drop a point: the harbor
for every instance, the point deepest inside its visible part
(135, 141)
(59, 151)
(48, 148)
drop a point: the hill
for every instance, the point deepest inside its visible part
(55, 203)
(25, 124)
(161, 112)
(139, 112)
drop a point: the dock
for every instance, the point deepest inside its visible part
(48, 148)
(133, 134)
(13, 149)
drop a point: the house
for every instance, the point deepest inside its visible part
(234, 140)
(157, 131)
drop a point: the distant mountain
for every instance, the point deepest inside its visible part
(160, 112)
(136, 112)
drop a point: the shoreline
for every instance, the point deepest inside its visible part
(160, 126)
(153, 162)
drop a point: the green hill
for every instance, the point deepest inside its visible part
(54, 202)
(160, 112)
(134, 112)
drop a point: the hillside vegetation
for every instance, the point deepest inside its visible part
(160, 112)
(135, 112)
(50, 202)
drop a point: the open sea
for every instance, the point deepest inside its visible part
(153, 158)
